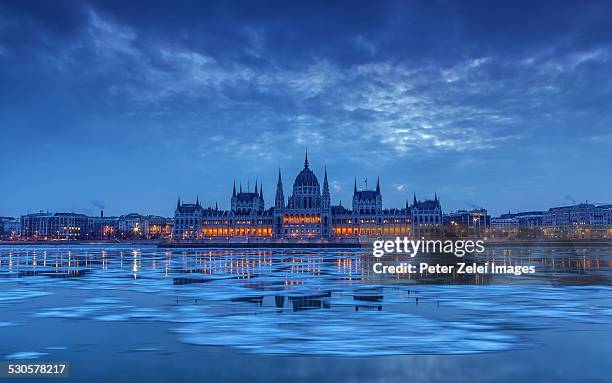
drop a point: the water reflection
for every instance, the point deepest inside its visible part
(315, 302)
(554, 265)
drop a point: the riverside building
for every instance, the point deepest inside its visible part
(306, 215)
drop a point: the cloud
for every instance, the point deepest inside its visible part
(395, 88)
(336, 186)
(468, 105)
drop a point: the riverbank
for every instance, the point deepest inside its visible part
(357, 245)
(72, 243)
(316, 245)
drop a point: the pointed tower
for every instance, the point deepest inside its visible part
(178, 203)
(279, 207)
(279, 199)
(326, 217)
(234, 200)
(325, 196)
(197, 201)
(355, 205)
(261, 198)
(306, 160)
(378, 197)
(256, 187)
(414, 201)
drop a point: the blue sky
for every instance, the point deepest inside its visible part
(502, 105)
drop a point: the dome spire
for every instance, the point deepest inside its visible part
(306, 159)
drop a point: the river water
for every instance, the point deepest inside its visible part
(121, 313)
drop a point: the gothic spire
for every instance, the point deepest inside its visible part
(261, 191)
(378, 185)
(178, 202)
(255, 185)
(414, 201)
(355, 188)
(279, 199)
(240, 186)
(325, 195)
(234, 192)
(197, 201)
(306, 159)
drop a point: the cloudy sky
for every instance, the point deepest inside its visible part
(127, 105)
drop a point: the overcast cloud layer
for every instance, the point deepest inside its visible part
(131, 105)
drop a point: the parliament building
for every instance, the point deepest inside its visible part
(307, 215)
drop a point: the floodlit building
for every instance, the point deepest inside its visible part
(307, 214)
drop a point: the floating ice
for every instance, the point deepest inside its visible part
(316, 302)
(24, 355)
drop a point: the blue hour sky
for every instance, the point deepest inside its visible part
(128, 105)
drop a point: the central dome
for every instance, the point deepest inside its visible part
(306, 177)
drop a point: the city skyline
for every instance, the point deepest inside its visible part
(504, 107)
(250, 185)
(306, 213)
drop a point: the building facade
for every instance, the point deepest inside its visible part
(474, 222)
(306, 215)
(525, 218)
(3, 222)
(12, 229)
(584, 214)
(426, 217)
(73, 226)
(138, 226)
(45, 226)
